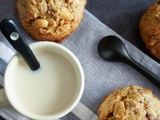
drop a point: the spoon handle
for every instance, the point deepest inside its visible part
(148, 74)
(13, 35)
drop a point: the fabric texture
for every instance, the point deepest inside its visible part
(101, 77)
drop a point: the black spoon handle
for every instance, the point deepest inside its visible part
(148, 74)
(13, 35)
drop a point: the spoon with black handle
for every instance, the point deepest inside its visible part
(13, 35)
(111, 48)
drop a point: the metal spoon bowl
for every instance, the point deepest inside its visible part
(111, 48)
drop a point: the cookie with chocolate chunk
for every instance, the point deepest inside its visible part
(150, 29)
(51, 20)
(130, 103)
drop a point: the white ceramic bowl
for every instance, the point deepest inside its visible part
(50, 92)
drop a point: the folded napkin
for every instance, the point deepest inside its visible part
(101, 77)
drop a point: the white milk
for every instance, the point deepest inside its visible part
(48, 89)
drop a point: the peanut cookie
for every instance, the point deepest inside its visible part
(130, 103)
(51, 20)
(150, 29)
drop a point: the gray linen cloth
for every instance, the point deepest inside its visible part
(101, 77)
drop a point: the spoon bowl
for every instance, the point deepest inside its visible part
(112, 48)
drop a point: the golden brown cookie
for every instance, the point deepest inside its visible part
(51, 20)
(130, 103)
(150, 29)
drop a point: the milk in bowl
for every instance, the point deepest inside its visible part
(49, 92)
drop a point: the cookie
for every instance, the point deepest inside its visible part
(130, 103)
(50, 20)
(149, 27)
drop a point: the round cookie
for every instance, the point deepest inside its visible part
(149, 26)
(130, 103)
(50, 20)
